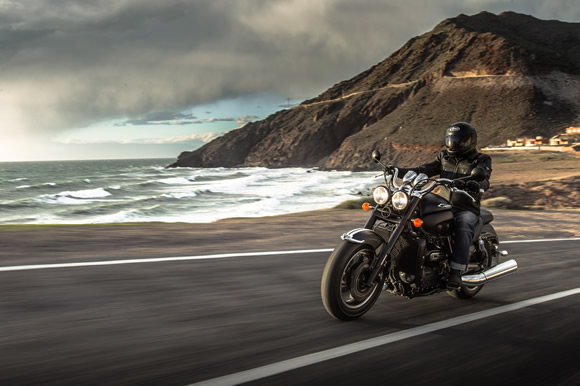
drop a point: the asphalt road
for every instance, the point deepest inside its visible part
(182, 322)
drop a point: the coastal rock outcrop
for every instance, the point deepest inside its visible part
(508, 74)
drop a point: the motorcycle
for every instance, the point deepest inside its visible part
(406, 245)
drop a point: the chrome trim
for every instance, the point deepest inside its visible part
(493, 273)
(409, 176)
(503, 253)
(464, 192)
(394, 180)
(444, 206)
(348, 236)
(420, 178)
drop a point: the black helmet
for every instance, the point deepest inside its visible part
(460, 139)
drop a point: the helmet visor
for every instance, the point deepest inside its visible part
(453, 142)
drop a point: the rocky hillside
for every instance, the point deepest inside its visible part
(508, 74)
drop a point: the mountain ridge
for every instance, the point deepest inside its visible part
(508, 74)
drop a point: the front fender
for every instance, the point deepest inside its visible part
(364, 236)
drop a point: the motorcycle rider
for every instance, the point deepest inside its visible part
(458, 159)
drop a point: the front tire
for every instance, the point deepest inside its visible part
(343, 294)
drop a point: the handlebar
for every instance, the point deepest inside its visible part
(447, 182)
(464, 192)
(434, 183)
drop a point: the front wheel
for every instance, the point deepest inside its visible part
(344, 295)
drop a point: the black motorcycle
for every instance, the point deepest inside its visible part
(405, 247)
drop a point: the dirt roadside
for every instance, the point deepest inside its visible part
(309, 230)
(534, 180)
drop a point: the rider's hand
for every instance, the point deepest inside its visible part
(472, 186)
(459, 184)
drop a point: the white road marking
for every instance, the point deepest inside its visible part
(310, 359)
(538, 240)
(203, 257)
(159, 259)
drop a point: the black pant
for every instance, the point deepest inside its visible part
(465, 223)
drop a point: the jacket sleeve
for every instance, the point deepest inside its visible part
(485, 164)
(430, 169)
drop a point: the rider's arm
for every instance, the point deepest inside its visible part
(430, 169)
(485, 165)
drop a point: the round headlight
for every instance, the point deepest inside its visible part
(381, 195)
(400, 200)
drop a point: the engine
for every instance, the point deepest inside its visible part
(416, 267)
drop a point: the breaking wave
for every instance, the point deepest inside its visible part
(143, 190)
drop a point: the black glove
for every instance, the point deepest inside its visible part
(472, 186)
(459, 184)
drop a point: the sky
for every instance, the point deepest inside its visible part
(110, 79)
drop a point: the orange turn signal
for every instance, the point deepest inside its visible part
(366, 206)
(417, 222)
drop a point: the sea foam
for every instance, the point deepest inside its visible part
(140, 190)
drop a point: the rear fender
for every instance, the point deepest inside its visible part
(364, 236)
(488, 234)
(488, 229)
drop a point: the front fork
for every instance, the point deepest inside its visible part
(380, 261)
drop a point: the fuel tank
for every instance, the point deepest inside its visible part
(432, 203)
(436, 215)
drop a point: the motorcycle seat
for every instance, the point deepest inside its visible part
(486, 216)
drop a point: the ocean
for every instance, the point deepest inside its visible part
(143, 190)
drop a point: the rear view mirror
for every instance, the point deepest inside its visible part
(376, 156)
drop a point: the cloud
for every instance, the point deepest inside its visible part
(193, 138)
(67, 64)
(169, 118)
(203, 137)
(163, 117)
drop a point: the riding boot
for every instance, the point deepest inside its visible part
(454, 280)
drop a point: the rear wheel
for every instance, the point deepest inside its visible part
(465, 292)
(344, 294)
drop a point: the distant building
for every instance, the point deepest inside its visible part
(572, 136)
(559, 140)
(517, 143)
(569, 138)
(522, 142)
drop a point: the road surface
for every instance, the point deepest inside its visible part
(179, 322)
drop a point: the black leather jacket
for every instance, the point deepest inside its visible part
(447, 166)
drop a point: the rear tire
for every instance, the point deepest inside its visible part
(343, 294)
(465, 292)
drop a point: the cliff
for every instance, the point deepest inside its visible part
(508, 74)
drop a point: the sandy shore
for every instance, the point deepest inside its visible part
(319, 229)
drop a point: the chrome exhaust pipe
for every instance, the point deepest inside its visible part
(493, 273)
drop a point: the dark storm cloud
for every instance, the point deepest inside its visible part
(66, 63)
